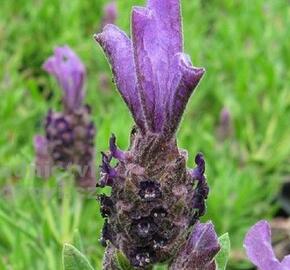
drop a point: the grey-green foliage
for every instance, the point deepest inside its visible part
(73, 259)
(223, 256)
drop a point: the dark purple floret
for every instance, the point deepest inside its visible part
(149, 190)
(142, 257)
(202, 189)
(107, 205)
(144, 228)
(107, 233)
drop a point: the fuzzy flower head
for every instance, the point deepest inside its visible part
(260, 251)
(153, 75)
(70, 73)
(155, 200)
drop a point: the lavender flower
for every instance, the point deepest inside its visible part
(110, 13)
(225, 128)
(259, 249)
(69, 134)
(155, 200)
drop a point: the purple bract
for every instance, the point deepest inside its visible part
(259, 248)
(70, 73)
(153, 75)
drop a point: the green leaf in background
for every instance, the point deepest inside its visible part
(74, 259)
(223, 256)
(123, 262)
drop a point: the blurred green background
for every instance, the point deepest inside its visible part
(244, 47)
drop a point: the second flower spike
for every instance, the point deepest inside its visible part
(70, 134)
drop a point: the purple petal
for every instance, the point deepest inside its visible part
(165, 75)
(70, 74)
(286, 263)
(156, 39)
(115, 151)
(153, 75)
(147, 53)
(259, 249)
(203, 239)
(183, 81)
(169, 22)
(197, 173)
(107, 172)
(118, 48)
(200, 250)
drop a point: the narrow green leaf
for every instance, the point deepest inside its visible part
(74, 260)
(123, 262)
(223, 256)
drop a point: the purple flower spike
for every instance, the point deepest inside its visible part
(43, 161)
(70, 73)
(110, 13)
(153, 75)
(225, 127)
(259, 248)
(158, 200)
(70, 134)
(200, 250)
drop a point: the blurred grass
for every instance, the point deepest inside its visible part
(244, 47)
